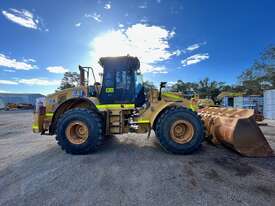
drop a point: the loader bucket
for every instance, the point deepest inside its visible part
(236, 128)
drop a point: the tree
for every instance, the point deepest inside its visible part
(210, 89)
(266, 67)
(179, 86)
(261, 75)
(70, 80)
(252, 81)
(232, 88)
(148, 86)
(204, 88)
(183, 87)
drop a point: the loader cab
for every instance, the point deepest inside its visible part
(122, 81)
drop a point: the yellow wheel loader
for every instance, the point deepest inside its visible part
(81, 117)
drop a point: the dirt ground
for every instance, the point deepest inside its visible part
(128, 170)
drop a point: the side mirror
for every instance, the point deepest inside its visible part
(162, 85)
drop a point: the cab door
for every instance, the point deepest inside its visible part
(118, 87)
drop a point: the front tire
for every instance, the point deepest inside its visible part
(180, 130)
(79, 131)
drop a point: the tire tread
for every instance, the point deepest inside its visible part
(163, 117)
(91, 148)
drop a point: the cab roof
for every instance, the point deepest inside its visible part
(127, 62)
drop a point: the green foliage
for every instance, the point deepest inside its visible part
(181, 86)
(261, 75)
(210, 89)
(69, 80)
(204, 88)
(148, 86)
(253, 81)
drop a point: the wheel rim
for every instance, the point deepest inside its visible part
(77, 132)
(181, 131)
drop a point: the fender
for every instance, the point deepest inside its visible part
(69, 104)
(156, 109)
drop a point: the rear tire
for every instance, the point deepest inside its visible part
(179, 130)
(79, 131)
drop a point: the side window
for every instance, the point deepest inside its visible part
(138, 82)
(108, 80)
(129, 80)
(121, 79)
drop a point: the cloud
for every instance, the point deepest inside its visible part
(57, 69)
(172, 34)
(95, 16)
(194, 59)
(32, 82)
(29, 60)
(172, 82)
(108, 6)
(143, 6)
(159, 70)
(78, 24)
(39, 82)
(8, 82)
(8, 70)
(177, 52)
(120, 25)
(152, 48)
(195, 46)
(4, 91)
(6, 61)
(144, 19)
(22, 17)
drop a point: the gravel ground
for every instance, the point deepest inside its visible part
(128, 170)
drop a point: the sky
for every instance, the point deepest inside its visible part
(184, 40)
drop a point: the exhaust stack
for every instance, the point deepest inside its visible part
(81, 75)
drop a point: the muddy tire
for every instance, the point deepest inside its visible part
(80, 131)
(180, 130)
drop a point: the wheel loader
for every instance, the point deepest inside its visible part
(81, 117)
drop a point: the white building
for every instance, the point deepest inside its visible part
(19, 98)
(2, 104)
(269, 104)
(249, 102)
